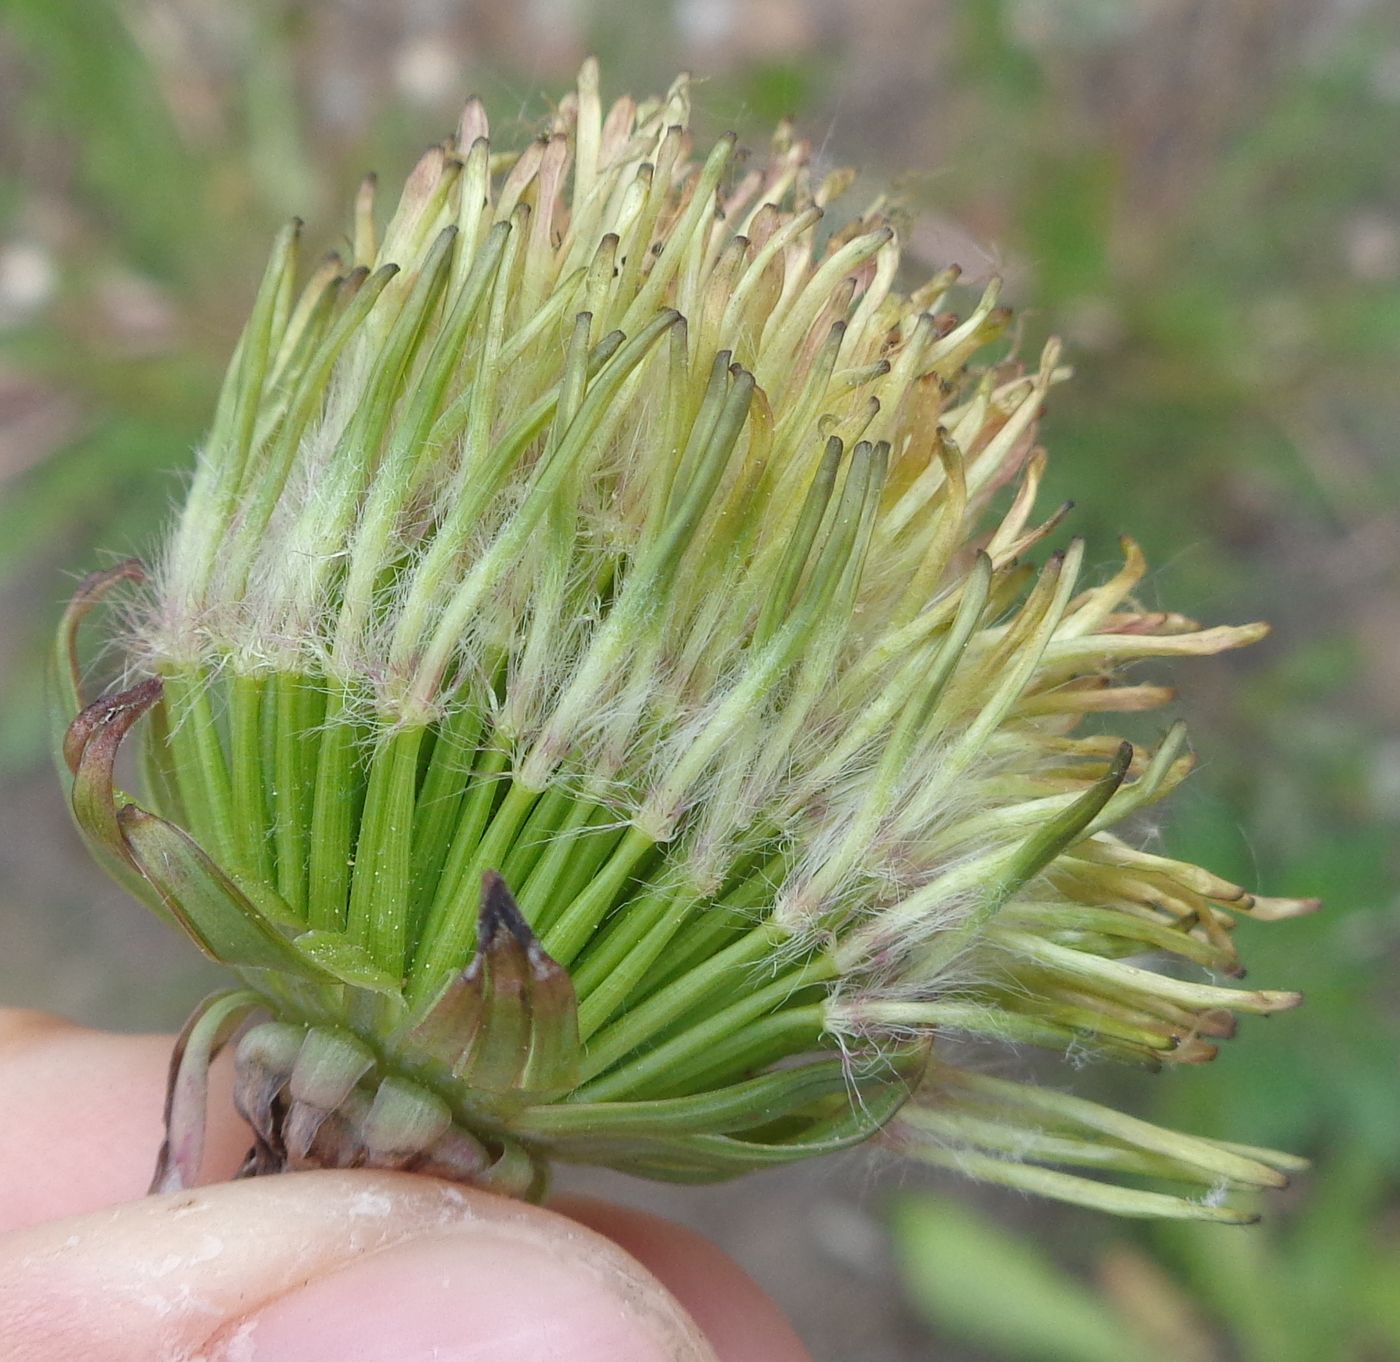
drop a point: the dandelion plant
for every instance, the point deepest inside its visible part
(605, 698)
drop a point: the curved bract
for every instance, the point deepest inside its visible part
(590, 699)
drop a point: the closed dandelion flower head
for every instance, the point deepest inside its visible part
(590, 700)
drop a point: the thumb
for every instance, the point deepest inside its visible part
(332, 1265)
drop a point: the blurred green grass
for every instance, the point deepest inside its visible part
(1217, 236)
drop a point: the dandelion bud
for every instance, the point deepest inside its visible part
(591, 702)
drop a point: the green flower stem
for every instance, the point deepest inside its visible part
(632, 923)
(299, 338)
(836, 567)
(297, 703)
(556, 816)
(641, 1023)
(567, 937)
(157, 768)
(663, 921)
(333, 815)
(1102, 1196)
(738, 1107)
(250, 820)
(440, 798)
(789, 1031)
(483, 837)
(614, 967)
(701, 1039)
(569, 864)
(483, 785)
(697, 210)
(199, 760)
(379, 890)
(500, 835)
(732, 916)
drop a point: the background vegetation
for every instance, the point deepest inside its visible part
(1203, 198)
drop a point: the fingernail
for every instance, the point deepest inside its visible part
(498, 1294)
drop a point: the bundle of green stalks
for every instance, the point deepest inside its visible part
(603, 699)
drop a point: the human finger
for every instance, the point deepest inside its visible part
(332, 1265)
(83, 1117)
(740, 1320)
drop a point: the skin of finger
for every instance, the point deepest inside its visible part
(325, 1265)
(82, 1118)
(740, 1320)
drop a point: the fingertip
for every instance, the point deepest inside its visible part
(313, 1266)
(742, 1323)
(83, 1117)
(510, 1297)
